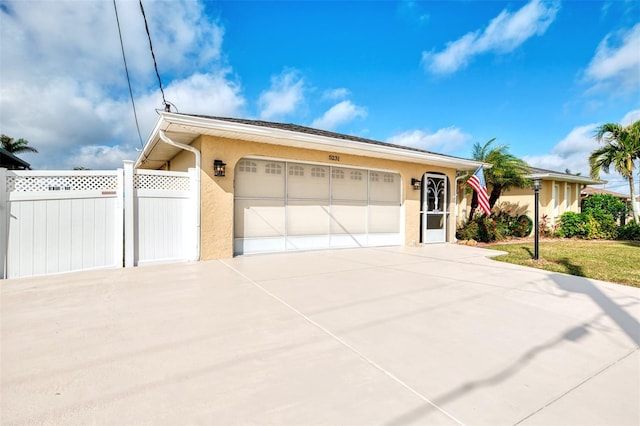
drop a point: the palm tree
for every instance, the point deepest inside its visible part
(15, 147)
(507, 171)
(621, 150)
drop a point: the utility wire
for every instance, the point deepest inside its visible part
(167, 105)
(126, 70)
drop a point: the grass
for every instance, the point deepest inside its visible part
(614, 261)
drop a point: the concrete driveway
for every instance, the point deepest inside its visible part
(387, 336)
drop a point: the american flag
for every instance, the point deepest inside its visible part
(478, 183)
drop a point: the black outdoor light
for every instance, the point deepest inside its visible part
(219, 168)
(537, 184)
(416, 183)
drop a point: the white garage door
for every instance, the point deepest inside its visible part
(282, 206)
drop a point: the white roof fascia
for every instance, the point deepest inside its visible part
(565, 178)
(243, 131)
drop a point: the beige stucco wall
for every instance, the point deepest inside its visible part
(525, 197)
(217, 193)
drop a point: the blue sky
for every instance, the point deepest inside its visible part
(538, 75)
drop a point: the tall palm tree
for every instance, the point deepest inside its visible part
(15, 147)
(507, 171)
(621, 150)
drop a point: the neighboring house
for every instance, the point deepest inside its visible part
(270, 187)
(11, 162)
(560, 193)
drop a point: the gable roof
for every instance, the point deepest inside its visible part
(544, 174)
(185, 128)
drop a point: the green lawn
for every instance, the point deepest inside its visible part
(614, 261)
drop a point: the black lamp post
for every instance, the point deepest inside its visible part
(537, 184)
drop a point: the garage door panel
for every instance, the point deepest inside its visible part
(384, 218)
(349, 240)
(260, 179)
(306, 181)
(384, 187)
(259, 218)
(308, 242)
(349, 184)
(349, 218)
(307, 218)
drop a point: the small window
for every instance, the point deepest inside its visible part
(246, 166)
(273, 169)
(374, 177)
(388, 177)
(317, 172)
(296, 170)
(356, 175)
(337, 174)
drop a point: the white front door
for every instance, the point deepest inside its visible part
(434, 208)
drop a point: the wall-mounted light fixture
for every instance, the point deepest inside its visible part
(416, 183)
(219, 168)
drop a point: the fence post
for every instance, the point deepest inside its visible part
(4, 222)
(129, 215)
(118, 222)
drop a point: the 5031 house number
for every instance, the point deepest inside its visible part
(334, 157)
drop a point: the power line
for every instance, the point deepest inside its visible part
(126, 70)
(167, 105)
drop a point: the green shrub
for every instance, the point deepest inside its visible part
(607, 204)
(468, 231)
(630, 231)
(607, 226)
(505, 221)
(522, 226)
(488, 230)
(578, 225)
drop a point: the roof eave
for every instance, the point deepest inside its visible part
(214, 127)
(565, 178)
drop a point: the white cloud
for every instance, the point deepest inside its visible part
(338, 114)
(100, 157)
(616, 62)
(630, 117)
(505, 33)
(283, 97)
(444, 140)
(335, 94)
(63, 82)
(573, 151)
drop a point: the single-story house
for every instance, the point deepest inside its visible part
(10, 161)
(559, 193)
(270, 187)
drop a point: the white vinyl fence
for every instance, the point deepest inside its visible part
(163, 217)
(61, 221)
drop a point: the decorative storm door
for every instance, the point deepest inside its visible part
(434, 208)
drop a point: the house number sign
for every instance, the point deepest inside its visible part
(334, 157)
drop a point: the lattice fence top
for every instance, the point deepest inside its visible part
(161, 182)
(61, 183)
